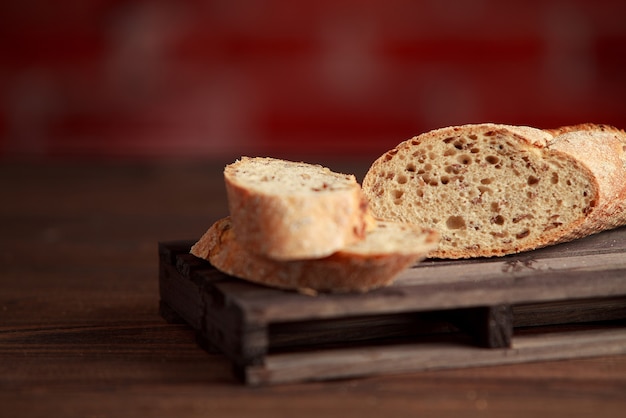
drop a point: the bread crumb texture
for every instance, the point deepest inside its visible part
(488, 189)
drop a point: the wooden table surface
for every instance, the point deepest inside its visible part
(80, 333)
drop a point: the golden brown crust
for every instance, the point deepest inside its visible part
(585, 127)
(363, 267)
(326, 213)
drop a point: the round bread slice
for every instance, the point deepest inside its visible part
(373, 262)
(488, 189)
(292, 210)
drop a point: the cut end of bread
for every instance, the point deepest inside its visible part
(291, 210)
(265, 175)
(489, 190)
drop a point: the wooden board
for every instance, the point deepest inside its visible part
(437, 314)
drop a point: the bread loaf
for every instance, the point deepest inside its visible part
(290, 210)
(373, 262)
(492, 190)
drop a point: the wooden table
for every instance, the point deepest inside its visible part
(80, 332)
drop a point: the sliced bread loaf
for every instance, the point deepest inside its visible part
(291, 210)
(488, 189)
(373, 262)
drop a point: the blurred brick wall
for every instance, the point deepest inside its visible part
(107, 78)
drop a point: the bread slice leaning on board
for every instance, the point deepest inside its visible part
(492, 190)
(289, 210)
(386, 250)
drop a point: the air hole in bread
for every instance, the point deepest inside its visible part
(492, 159)
(449, 152)
(498, 220)
(454, 169)
(431, 181)
(402, 179)
(484, 189)
(410, 167)
(532, 180)
(397, 194)
(555, 178)
(522, 234)
(464, 159)
(475, 150)
(455, 222)
(519, 218)
(445, 180)
(390, 154)
(486, 181)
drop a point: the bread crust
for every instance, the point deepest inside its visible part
(359, 268)
(540, 147)
(296, 225)
(601, 148)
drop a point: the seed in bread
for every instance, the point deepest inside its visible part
(387, 249)
(292, 210)
(489, 189)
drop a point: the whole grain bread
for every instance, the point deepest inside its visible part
(289, 210)
(373, 262)
(492, 190)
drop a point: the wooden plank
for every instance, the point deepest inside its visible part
(569, 311)
(267, 305)
(441, 272)
(403, 358)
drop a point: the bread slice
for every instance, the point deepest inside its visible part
(387, 249)
(292, 210)
(489, 189)
(602, 148)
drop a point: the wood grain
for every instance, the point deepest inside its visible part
(81, 335)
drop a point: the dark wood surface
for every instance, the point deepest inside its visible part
(81, 334)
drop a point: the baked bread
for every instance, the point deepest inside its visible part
(603, 149)
(292, 210)
(492, 190)
(373, 262)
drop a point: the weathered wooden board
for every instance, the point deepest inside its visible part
(437, 314)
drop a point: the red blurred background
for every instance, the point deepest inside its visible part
(215, 78)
